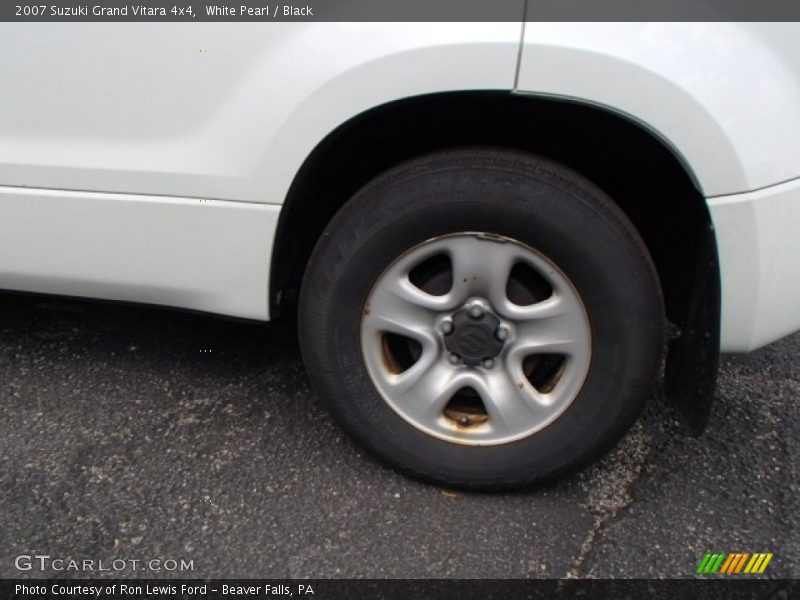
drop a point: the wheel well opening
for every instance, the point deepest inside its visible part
(629, 163)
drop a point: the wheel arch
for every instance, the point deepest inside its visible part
(647, 178)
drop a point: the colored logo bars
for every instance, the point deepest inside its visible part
(734, 563)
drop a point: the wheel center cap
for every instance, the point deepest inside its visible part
(474, 339)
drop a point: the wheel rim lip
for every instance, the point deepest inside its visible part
(444, 428)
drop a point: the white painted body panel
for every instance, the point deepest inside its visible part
(726, 96)
(207, 255)
(141, 121)
(215, 110)
(758, 235)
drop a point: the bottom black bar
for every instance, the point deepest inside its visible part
(399, 589)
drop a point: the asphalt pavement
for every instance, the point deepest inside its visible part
(132, 433)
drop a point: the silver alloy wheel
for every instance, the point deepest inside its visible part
(466, 376)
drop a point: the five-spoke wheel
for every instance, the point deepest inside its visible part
(476, 338)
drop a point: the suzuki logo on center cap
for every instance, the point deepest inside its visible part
(474, 340)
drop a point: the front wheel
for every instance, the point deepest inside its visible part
(482, 319)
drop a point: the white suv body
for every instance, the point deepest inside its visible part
(151, 162)
(113, 133)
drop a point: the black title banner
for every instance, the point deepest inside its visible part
(399, 10)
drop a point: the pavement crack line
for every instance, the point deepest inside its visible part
(611, 485)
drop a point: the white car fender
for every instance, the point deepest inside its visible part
(725, 96)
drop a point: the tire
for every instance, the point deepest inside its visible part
(468, 211)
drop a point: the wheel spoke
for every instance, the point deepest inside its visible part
(402, 308)
(481, 267)
(551, 328)
(509, 401)
(424, 390)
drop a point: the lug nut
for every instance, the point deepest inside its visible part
(476, 312)
(447, 327)
(502, 332)
(488, 363)
(454, 359)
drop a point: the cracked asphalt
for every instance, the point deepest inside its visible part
(139, 433)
